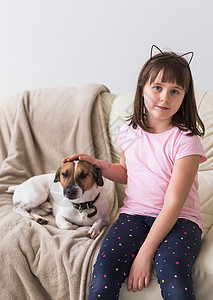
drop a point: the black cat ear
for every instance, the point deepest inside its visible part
(190, 54)
(151, 53)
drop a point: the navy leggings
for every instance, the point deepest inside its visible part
(173, 260)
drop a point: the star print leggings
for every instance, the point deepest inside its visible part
(173, 260)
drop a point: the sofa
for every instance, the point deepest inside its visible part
(38, 128)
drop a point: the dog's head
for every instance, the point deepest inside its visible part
(77, 177)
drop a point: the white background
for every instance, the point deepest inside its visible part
(53, 43)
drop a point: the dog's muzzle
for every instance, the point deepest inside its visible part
(73, 192)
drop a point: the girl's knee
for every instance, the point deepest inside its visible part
(177, 290)
(175, 277)
(173, 267)
(106, 282)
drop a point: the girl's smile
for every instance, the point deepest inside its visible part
(162, 100)
(162, 107)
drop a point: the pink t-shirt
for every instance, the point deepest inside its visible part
(149, 160)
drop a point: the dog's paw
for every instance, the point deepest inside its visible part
(39, 219)
(92, 233)
(42, 221)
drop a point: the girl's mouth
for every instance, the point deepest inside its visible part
(162, 107)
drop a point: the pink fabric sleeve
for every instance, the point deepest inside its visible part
(187, 147)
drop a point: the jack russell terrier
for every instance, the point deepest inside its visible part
(73, 195)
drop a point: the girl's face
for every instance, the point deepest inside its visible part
(162, 100)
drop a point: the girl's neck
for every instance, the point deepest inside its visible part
(160, 127)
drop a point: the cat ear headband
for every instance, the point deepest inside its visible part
(162, 54)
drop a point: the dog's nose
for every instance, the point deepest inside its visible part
(70, 192)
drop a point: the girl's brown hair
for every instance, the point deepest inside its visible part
(174, 68)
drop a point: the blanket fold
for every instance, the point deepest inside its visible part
(37, 130)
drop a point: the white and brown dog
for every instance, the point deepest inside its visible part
(73, 194)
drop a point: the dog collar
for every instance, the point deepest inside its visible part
(87, 205)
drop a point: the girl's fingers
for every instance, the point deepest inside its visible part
(82, 157)
(147, 281)
(140, 284)
(135, 285)
(88, 159)
(71, 157)
(129, 284)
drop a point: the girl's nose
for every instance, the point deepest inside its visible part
(164, 97)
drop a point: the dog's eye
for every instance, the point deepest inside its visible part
(83, 175)
(65, 174)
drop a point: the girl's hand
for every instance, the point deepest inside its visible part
(83, 157)
(140, 273)
(114, 172)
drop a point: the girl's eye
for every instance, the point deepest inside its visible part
(157, 88)
(175, 92)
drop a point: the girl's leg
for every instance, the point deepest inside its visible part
(175, 258)
(116, 255)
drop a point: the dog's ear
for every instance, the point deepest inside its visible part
(57, 175)
(98, 176)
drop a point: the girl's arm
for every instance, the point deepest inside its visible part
(114, 172)
(183, 175)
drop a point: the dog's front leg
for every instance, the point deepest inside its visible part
(62, 223)
(95, 230)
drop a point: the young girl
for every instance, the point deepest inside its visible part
(160, 219)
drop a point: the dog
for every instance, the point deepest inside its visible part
(74, 196)
(30, 198)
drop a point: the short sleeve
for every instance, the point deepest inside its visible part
(189, 145)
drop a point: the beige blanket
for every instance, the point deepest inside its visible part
(38, 129)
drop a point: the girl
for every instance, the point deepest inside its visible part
(160, 219)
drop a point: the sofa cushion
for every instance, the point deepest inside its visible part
(120, 111)
(205, 109)
(204, 101)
